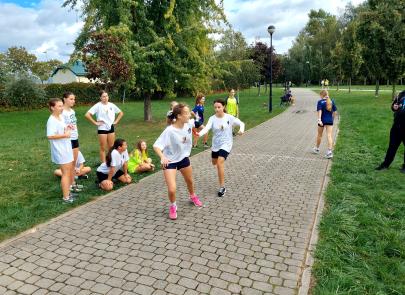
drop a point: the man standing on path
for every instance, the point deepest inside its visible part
(397, 133)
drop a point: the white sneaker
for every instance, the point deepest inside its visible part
(315, 150)
(329, 155)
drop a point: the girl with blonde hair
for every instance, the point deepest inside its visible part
(326, 111)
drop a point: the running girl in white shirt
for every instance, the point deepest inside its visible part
(115, 167)
(59, 135)
(221, 124)
(174, 147)
(105, 120)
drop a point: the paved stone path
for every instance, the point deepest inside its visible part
(253, 241)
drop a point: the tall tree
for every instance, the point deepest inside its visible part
(43, 69)
(169, 40)
(19, 61)
(382, 34)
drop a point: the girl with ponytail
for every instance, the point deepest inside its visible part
(115, 167)
(326, 110)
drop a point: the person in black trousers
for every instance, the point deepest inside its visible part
(397, 133)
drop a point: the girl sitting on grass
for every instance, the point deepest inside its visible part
(115, 167)
(138, 159)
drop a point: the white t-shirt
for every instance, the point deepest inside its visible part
(222, 138)
(80, 159)
(61, 149)
(117, 161)
(105, 113)
(70, 119)
(176, 143)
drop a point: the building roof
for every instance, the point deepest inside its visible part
(78, 68)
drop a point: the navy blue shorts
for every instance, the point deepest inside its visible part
(197, 124)
(75, 143)
(221, 153)
(324, 124)
(101, 176)
(179, 165)
(106, 131)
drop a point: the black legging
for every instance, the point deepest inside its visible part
(397, 135)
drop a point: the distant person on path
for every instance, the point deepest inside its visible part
(115, 167)
(326, 83)
(139, 161)
(69, 116)
(221, 124)
(322, 84)
(105, 112)
(174, 147)
(198, 112)
(232, 104)
(80, 171)
(326, 110)
(397, 133)
(59, 135)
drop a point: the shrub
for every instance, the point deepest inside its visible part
(85, 92)
(23, 93)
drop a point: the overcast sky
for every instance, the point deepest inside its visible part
(48, 30)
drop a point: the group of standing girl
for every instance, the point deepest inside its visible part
(63, 136)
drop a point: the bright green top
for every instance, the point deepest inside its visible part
(135, 159)
(232, 106)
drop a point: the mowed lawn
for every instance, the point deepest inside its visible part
(30, 194)
(362, 233)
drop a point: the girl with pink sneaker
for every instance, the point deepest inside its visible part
(174, 147)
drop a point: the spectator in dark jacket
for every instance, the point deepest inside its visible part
(397, 133)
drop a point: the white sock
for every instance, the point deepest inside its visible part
(173, 204)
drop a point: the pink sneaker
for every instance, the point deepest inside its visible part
(196, 201)
(173, 212)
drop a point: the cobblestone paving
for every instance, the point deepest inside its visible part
(252, 241)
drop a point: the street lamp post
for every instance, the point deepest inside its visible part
(271, 30)
(306, 85)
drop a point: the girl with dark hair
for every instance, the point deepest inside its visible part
(59, 135)
(115, 167)
(69, 116)
(105, 115)
(174, 147)
(198, 113)
(326, 111)
(138, 160)
(221, 124)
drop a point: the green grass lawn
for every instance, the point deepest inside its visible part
(362, 233)
(30, 194)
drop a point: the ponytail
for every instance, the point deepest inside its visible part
(117, 143)
(328, 104)
(324, 94)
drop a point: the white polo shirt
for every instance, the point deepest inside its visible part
(176, 143)
(61, 149)
(222, 138)
(105, 113)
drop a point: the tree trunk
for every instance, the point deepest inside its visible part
(258, 88)
(377, 87)
(365, 81)
(393, 89)
(265, 87)
(350, 85)
(337, 85)
(147, 106)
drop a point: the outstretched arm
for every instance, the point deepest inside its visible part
(206, 128)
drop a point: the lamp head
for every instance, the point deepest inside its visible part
(271, 29)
